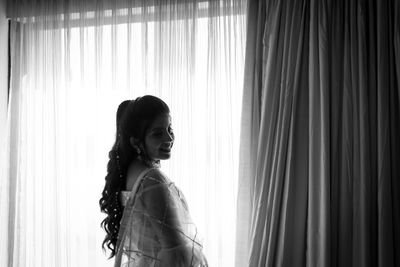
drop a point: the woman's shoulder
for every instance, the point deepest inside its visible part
(155, 175)
(155, 184)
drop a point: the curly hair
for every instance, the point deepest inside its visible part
(133, 119)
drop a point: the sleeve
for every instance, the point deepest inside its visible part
(157, 227)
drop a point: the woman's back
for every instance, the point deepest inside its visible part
(135, 169)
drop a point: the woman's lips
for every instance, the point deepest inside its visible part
(167, 150)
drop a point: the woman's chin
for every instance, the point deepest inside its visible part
(164, 156)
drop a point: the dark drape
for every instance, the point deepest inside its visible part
(320, 153)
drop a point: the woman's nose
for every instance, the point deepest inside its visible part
(170, 137)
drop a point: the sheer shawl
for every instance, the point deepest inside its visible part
(156, 228)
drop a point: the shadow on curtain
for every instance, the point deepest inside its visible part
(320, 150)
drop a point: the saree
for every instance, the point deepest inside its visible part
(156, 228)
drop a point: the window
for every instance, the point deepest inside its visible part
(74, 72)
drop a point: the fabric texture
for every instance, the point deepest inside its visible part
(156, 228)
(320, 151)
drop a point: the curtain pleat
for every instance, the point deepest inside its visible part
(249, 131)
(324, 190)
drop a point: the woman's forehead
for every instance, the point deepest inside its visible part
(161, 121)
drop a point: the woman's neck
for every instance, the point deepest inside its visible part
(137, 166)
(134, 169)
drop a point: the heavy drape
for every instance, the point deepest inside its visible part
(73, 62)
(320, 149)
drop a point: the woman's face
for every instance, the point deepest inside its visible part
(159, 138)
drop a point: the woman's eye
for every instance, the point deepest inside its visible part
(160, 133)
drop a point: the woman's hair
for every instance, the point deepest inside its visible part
(134, 117)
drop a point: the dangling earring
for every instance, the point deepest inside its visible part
(142, 156)
(137, 149)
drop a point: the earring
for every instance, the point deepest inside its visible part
(138, 151)
(142, 156)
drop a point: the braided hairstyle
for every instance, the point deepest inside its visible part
(134, 117)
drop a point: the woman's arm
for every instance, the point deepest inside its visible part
(159, 206)
(162, 211)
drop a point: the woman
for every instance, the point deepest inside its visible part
(147, 223)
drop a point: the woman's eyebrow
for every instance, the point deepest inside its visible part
(160, 128)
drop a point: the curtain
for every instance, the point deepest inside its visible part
(320, 149)
(73, 62)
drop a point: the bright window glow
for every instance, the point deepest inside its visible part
(71, 90)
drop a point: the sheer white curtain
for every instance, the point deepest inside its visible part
(71, 67)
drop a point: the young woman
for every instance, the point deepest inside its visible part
(148, 222)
